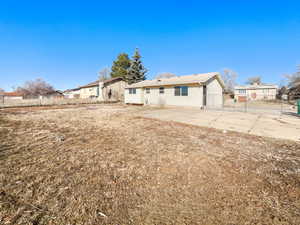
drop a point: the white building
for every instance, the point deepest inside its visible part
(196, 90)
(12, 95)
(72, 93)
(255, 92)
(90, 90)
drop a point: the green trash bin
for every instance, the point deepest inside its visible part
(298, 103)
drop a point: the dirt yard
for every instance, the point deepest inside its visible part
(105, 164)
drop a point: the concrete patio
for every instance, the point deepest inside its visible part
(263, 124)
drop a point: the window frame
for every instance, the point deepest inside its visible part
(186, 92)
(161, 90)
(242, 91)
(132, 91)
(147, 90)
(178, 91)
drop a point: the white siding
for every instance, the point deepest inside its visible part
(89, 92)
(257, 94)
(13, 97)
(214, 94)
(194, 97)
(134, 98)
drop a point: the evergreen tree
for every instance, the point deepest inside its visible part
(136, 71)
(120, 66)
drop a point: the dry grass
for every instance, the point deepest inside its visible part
(104, 165)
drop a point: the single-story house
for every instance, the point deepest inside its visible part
(255, 92)
(52, 94)
(12, 95)
(198, 90)
(72, 93)
(111, 89)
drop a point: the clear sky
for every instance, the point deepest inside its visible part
(68, 42)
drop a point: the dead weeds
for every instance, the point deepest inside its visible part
(107, 166)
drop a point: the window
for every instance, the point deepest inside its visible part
(132, 90)
(177, 91)
(161, 90)
(147, 90)
(181, 91)
(184, 91)
(242, 91)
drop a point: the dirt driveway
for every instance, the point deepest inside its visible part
(268, 125)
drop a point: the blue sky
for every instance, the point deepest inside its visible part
(68, 42)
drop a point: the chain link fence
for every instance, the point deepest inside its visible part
(254, 103)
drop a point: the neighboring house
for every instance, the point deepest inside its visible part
(72, 93)
(199, 90)
(51, 95)
(12, 95)
(255, 92)
(90, 90)
(107, 90)
(112, 89)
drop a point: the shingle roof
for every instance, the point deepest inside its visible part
(92, 84)
(96, 83)
(187, 79)
(112, 79)
(73, 89)
(12, 94)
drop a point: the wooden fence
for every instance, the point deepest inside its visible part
(5, 103)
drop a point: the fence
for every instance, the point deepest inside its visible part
(4, 103)
(252, 103)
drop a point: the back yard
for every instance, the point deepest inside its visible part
(108, 164)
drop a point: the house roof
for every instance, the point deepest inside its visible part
(73, 89)
(112, 80)
(187, 79)
(257, 86)
(96, 83)
(92, 84)
(12, 94)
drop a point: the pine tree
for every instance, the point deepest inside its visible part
(137, 72)
(120, 66)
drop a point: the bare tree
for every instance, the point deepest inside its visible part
(229, 77)
(35, 88)
(254, 80)
(104, 74)
(293, 80)
(165, 75)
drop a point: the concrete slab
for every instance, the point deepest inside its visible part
(269, 125)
